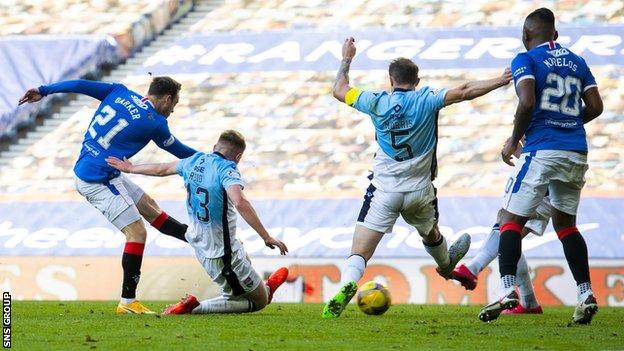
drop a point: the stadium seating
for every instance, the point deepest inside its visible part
(241, 15)
(303, 141)
(59, 17)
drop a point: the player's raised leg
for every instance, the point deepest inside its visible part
(160, 219)
(365, 242)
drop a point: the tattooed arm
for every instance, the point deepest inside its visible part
(341, 85)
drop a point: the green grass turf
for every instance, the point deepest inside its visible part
(93, 325)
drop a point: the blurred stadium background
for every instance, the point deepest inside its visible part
(266, 68)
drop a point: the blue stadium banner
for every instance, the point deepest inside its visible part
(316, 50)
(318, 228)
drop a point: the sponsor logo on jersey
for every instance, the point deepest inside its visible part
(558, 52)
(568, 123)
(139, 102)
(169, 141)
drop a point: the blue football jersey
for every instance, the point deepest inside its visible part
(561, 77)
(404, 121)
(212, 215)
(123, 124)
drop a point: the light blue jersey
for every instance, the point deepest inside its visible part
(405, 124)
(206, 178)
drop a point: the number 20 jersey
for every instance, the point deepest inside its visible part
(561, 77)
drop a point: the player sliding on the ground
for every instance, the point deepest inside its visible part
(122, 125)
(405, 122)
(213, 184)
(550, 83)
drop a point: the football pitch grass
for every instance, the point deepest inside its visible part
(93, 325)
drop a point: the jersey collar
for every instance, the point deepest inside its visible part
(401, 90)
(551, 44)
(219, 154)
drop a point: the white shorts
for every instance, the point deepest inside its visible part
(116, 199)
(539, 221)
(560, 173)
(233, 274)
(381, 209)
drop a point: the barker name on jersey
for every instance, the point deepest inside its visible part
(122, 125)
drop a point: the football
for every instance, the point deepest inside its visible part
(374, 298)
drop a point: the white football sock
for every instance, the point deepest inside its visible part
(439, 252)
(583, 290)
(352, 270)
(508, 284)
(525, 287)
(224, 304)
(125, 301)
(487, 253)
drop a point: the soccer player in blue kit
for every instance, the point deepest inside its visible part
(551, 84)
(214, 188)
(405, 165)
(122, 125)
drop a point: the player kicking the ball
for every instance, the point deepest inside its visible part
(550, 83)
(405, 122)
(122, 125)
(214, 187)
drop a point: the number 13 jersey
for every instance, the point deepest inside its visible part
(561, 77)
(405, 124)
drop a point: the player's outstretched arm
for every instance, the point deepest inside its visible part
(593, 105)
(155, 169)
(243, 206)
(474, 89)
(526, 102)
(341, 85)
(98, 90)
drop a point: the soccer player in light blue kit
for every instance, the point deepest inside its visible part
(122, 125)
(551, 83)
(214, 188)
(405, 122)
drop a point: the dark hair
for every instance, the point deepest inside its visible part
(162, 86)
(234, 139)
(403, 71)
(544, 17)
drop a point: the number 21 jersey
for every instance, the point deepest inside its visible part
(561, 77)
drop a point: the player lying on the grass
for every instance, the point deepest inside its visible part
(405, 122)
(122, 125)
(214, 187)
(551, 83)
(467, 274)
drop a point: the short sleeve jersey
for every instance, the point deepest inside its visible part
(561, 77)
(405, 124)
(212, 215)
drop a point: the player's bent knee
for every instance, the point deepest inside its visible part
(148, 208)
(135, 232)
